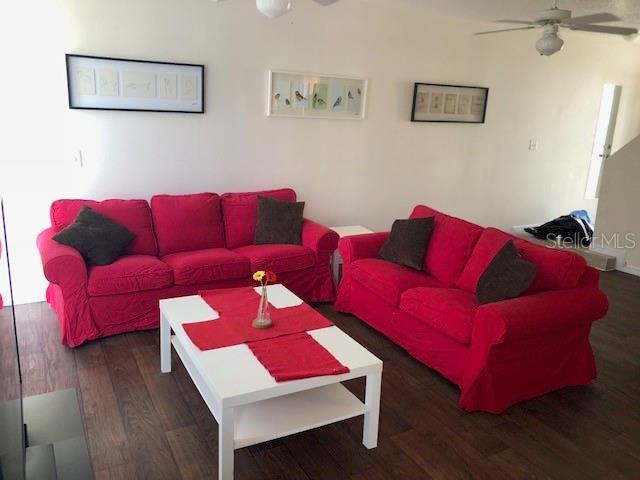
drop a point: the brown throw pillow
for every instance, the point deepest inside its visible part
(507, 276)
(407, 242)
(99, 239)
(278, 221)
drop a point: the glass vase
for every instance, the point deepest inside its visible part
(263, 319)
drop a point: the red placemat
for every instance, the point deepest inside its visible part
(296, 356)
(237, 308)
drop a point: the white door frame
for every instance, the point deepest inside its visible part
(603, 138)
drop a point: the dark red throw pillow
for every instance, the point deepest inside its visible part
(407, 242)
(507, 276)
(278, 221)
(99, 239)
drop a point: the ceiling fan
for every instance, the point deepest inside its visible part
(277, 8)
(552, 19)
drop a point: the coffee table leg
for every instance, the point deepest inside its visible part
(165, 345)
(225, 444)
(372, 402)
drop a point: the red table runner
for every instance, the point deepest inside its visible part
(285, 349)
(237, 308)
(296, 356)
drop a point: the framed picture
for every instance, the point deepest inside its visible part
(433, 102)
(307, 95)
(102, 83)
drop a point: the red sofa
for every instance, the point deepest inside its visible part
(183, 244)
(498, 353)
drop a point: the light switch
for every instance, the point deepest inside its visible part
(533, 144)
(79, 159)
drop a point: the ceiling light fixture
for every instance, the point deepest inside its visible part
(273, 8)
(550, 42)
(554, 18)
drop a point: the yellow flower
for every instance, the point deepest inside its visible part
(259, 275)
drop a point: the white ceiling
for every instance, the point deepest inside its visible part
(487, 10)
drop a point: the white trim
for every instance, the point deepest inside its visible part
(621, 262)
(519, 229)
(612, 252)
(629, 269)
(603, 138)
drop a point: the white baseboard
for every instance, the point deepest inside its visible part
(613, 252)
(621, 260)
(519, 229)
(629, 269)
(619, 254)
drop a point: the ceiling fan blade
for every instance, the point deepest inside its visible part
(595, 18)
(604, 29)
(506, 30)
(325, 2)
(519, 22)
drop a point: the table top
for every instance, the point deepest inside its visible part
(234, 374)
(346, 230)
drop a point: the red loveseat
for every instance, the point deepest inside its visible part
(183, 244)
(498, 353)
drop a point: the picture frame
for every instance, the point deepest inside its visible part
(310, 95)
(434, 102)
(107, 83)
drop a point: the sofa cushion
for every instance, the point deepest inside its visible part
(278, 257)
(135, 215)
(186, 223)
(131, 273)
(388, 280)
(210, 265)
(450, 244)
(448, 310)
(240, 212)
(557, 269)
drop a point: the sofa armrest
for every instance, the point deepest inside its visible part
(539, 314)
(590, 278)
(62, 265)
(318, 237)
(367, 245)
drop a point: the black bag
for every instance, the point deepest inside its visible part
(567, 227)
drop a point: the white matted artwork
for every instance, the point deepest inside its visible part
(108, 83)
(103, 83)
(85, 79)
(188, 87)
(306, 95)
(168, 86)
(449, 103)
(139, 84)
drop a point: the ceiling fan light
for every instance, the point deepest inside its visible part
(273, 8)
(549, 44)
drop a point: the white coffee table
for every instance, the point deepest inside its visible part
(248, 404)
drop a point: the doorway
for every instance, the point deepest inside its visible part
(603, 139)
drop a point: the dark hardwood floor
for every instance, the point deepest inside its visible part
(142, 424)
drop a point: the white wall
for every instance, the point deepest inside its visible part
(618, 224)
(367, 172)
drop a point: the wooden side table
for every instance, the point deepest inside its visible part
(344, 231)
